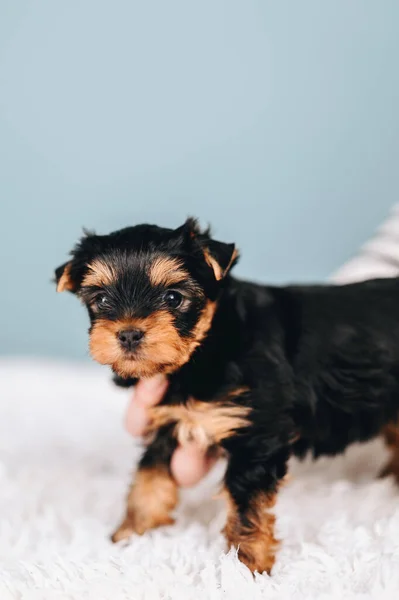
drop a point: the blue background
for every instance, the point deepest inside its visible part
(276, 121)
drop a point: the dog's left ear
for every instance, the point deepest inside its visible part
(219, 256)
(64, 280)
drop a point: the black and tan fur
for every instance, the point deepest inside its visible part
(259, 372)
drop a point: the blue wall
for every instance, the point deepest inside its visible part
(277, 121)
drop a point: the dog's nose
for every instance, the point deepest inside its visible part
(130, 338)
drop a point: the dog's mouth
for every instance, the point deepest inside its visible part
(132, 355)
(137, 364)
(161, 348)
(136, 369)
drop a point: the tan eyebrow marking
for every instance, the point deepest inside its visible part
(100, 273)
(167, 271)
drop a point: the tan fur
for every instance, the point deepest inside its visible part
(203, 325)
(65, 282)
(206, 423)
(162, 349)
(217, 269)
(151, 499)
(391, 436)
(255, 539)
(232, 259)
(167, 271)
(212, 262)
(100, 273)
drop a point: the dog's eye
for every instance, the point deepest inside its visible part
(101, 301)
(173, 299)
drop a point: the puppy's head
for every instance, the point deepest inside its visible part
(151, 293)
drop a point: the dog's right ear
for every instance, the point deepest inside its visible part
(64, 280)
(68, 276)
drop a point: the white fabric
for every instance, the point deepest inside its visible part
(379, 257)
(65, 467)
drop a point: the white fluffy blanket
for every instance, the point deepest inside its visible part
(65, 465)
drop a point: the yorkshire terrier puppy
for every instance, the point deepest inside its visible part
(260, 372)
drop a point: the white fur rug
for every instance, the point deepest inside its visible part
(65, 465)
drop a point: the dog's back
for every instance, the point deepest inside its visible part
(343, 345)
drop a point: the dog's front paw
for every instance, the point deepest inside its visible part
(124, 531)
(151, 499)
(133, 525)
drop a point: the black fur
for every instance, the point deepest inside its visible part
(321, 362)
